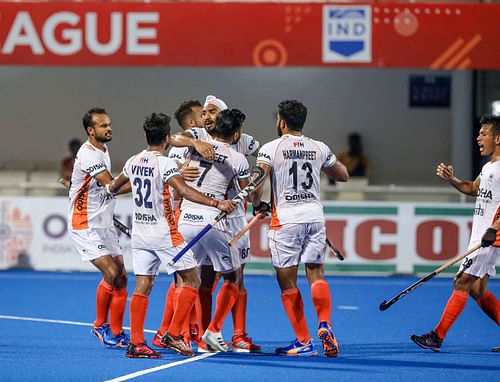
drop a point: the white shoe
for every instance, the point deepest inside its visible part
(214, 340)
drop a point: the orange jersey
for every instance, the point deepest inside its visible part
(89, 205)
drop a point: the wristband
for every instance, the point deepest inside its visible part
(214, 203)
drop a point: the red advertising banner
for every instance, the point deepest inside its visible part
(439, 36)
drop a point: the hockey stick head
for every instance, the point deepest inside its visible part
(383, 306)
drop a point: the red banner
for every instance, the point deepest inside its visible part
(444, 36)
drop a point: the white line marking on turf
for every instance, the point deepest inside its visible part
(124, 377)
(158, 368)
(348, 307)
(35, 319)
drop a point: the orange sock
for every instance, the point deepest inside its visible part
(206, 306)
(239, 312)
(216, 283)
(168, 309)
(490, 305)
(322, 301)
(117, 310)
(138, 308)
(103, 297)
(454, 307)
(185, 302)
(226, 298)
(294, 307)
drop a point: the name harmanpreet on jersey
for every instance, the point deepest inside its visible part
(246, 145)
(89, 205)
(154, 225)
(295, 163)
(215, 176)
(487, 202)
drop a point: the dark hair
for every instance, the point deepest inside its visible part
(492, 120)
(157, 127)
(228, 122)
(184, 110)
(87, 118)
(294, 113)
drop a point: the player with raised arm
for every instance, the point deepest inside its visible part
(215, 178)
(90, 226)
(475, 271)
(155, 237)
(297, 232)
(246, 145)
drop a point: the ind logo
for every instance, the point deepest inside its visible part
(347, 34)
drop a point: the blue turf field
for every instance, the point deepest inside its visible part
(375, 345)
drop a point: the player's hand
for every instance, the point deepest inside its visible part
(262, 207)
(227, 205)
(489, 237)
(205, 149)
(189, 173)
(444, 171)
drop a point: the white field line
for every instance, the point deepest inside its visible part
(124, 377)
(158, 368)
(48, 320)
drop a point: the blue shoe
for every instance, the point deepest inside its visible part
(124, 339)
(110, 340)
(297, 348)
(100, 331)
(330, 345)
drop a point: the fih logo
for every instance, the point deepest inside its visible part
(347, 33)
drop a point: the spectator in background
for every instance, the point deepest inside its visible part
(354, 159)
(67, 163)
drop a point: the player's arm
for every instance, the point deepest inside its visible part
(256, 195)
(185, 139)
(468, 187)
(337, 172)
(189, 193)
(119, 185)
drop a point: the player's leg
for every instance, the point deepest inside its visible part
(227, 262)
(313, 255)
(456, 303)
(241, 342)
(146, 265)
(208, 276)
(479, 291)
(186, 294)
(168, 312)
(286, 245)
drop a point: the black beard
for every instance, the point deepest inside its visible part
(103, 139)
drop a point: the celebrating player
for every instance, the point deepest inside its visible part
(297, 231)
(476, 269)
(90, 226)
(155, 237)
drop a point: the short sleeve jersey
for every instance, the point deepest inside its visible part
(154, 225)
(487, 208)
(89, 205)
(295, 163)
(246, 145)
(216, 176)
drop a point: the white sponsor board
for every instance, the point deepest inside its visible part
(375, 237)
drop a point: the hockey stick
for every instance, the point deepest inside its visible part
(259, 177)
(118, 224)
(384, 305)
(249, 225)
(335, 251)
